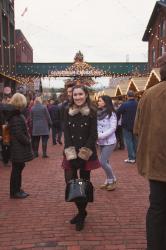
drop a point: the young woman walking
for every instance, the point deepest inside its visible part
(106, 125)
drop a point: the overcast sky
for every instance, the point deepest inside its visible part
(104, 30)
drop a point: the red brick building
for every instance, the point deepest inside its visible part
(24, 51)
(155, 33)
(7, 44)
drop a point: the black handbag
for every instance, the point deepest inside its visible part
(79, 190)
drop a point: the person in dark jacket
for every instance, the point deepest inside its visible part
(54, 112)
(65, 104)
(128, 111)
(80, 135)
(21, 150)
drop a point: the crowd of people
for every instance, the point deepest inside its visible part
(86, 127)
(90, 133)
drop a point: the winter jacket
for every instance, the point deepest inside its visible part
(21, 150)
(41, 121)
(54, 112)
(80, 134)
(150, 128)
(62, 107)
(106, 130)
(128, 111)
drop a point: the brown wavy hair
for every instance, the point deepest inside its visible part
(88, 100)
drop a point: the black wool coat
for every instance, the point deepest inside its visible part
(81, 131)
(21, 149)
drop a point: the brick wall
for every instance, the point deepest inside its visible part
(155, 39)
(24, 52)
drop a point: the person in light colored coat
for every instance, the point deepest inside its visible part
(41, 123)
(106, 125)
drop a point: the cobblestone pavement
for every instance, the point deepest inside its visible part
(115, 221)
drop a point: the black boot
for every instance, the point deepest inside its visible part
(44, 147)
(80, 222)
(82, 215)
(76, 218)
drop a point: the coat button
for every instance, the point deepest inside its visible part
(73, 125)
(80, 138)
(72, 136)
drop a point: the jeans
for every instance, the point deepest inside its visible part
(131, 143)
(105, 153)
(156, 217)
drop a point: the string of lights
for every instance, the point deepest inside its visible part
(106, 73)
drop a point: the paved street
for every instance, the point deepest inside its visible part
(115, 221)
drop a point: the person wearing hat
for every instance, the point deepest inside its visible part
(127, 111)
(151, 156)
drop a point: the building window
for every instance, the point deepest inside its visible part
(11, 14)
(4, 28)
(153, 56)
(5, 5)
(162, 50)
(6, 56)
(163, 28)
(11, 34)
